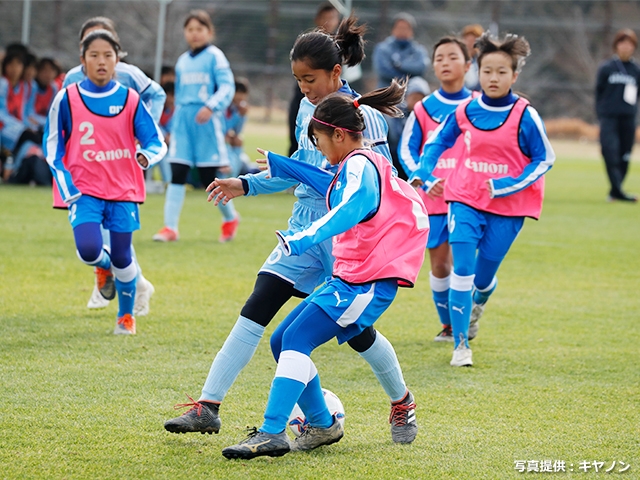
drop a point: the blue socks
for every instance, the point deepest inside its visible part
(314, 406)
(383, 361)
(440, 290)
(173, 202)
(126, 296)
(103, 261)
(481, 296)
(228, 211)
(235, 354)
(460, 307)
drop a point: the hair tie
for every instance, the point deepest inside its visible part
(356, 104)
(332, 125)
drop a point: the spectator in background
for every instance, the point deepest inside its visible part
(44, 89)
(470, 34)
(616, 107)
(152, 185)
(167, 74)
(328, 18)
(417, 89)
(399, 55)
(24, 160)
(235, 118)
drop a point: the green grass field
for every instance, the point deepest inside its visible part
(556, 374)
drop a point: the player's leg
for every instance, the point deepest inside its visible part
(440, 275)
(499, 235)
(295, 373)
(466, 227)
(269, 295)
(122, 220)
(230, 218)
(378, 352)
(144, 289)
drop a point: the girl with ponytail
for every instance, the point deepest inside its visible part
(379, 228)
(316, 62)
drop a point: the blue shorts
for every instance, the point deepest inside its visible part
(354, 307)
(197, 144)
(305, 272)
(492, 234)
(438, 230)
(121, 217)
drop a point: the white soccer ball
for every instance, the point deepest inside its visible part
(298, 422)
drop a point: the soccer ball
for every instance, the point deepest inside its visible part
(298, 422)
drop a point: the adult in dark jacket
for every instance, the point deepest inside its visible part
(616, 107)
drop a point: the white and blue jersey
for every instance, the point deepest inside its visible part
(130, 76)
(308, 271)
(203, 79)
(488, 114)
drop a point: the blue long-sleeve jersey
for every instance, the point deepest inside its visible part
(439, 105)
(486, 114)
(204, 77)
(375, 135)
(354, 198)
(106, 101)
(130, 76)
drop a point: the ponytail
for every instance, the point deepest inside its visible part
(323, 51)
(341, 111)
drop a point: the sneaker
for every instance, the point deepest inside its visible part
(106, 283)
(259, 444)
(462, 356)
(166, 234)
(446, 335)
(126, 325)
(201, 417)
(144, 291)
(404, 427)
(477, 309)
(229, 230)
(97, 300)
(314, 437)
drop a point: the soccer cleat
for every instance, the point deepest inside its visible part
(314, 437)
(477, 310)
(229, 230)
(106, 283)
(201, 417)
(404, 427)
(97, 300)
(446, 335)
(126, 325)
(144, 291)
(462, 356)
(166, 234)
(259, 444)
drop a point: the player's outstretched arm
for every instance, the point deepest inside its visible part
(224, 189)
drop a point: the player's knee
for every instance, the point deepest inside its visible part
(121, 259)
(363, 342)
(179, 173)
(268, 296)
(89, 252)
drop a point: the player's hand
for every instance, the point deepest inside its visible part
(204, 115)
(224, 189)
(142, 160)
(262, 162)
(437, 190)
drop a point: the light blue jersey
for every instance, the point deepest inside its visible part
(130, 76)
(309, 270)
(203, 79)
(488, 114)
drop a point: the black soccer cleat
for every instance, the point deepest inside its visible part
(259, 444)
(201, 417)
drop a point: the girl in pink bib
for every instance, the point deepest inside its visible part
(493, 187)
(90, 145)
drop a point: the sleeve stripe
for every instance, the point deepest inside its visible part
(355, 165)
(53, 139)
(405, 152)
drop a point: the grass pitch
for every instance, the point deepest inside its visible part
(556, 370)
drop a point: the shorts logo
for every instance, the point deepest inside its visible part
(275, 256)
(337, 295)
(72, 213)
